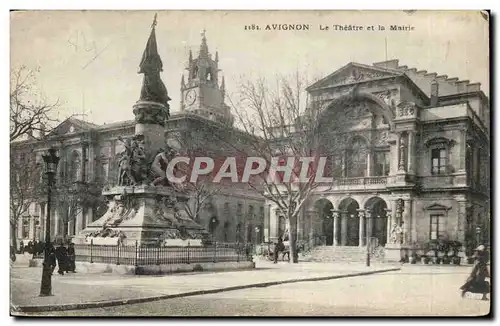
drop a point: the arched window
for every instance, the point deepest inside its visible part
(357, 158)
(75, 167)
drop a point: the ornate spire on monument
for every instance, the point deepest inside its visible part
(153, 89)
(216, 56)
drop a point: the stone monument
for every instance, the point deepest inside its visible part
(144, 208)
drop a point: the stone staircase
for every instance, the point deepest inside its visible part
(348, 254)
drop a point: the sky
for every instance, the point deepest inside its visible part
(88, 60)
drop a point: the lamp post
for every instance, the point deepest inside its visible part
(51, 160)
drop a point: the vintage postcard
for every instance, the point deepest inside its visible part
(250, 163)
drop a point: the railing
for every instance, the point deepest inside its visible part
(158, 255)
(361, 181)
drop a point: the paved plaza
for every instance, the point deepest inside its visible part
(409, 290)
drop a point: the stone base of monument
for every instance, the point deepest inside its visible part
(394, 252)
(143, 216)
(162, 269)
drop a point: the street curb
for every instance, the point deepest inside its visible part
(102, 304)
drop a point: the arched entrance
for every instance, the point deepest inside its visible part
(324, 208)
(349, 222)
(377, 208)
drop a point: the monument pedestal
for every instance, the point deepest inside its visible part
(146, 215)
(394, 252)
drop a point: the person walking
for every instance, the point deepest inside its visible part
(476, 282)
(71, 258)
(51, 257)
(21, 247)
(279, 247)
(61, 256)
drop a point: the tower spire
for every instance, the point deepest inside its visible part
(223, 88)
(203, 46)
(216, 56)
(183, 84)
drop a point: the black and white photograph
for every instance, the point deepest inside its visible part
(218, 163)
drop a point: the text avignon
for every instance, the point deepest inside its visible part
(287, 27)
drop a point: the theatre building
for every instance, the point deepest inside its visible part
(414, 166)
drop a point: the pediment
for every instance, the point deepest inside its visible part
(71, 126)
(437, 207)
(353, 73)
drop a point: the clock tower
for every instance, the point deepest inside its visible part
(203, 93)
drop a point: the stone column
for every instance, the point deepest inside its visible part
(54, 222)
(369, 227)
(335, 228)
(461, 217)
(402, 151)
(362, 221)
(407, 214)
(20, 227)
(267, 216)
(43, 208)
(79, 221)
(32, 227)
(411, 152)
(369, 158)
(463, 149)
(343, 236)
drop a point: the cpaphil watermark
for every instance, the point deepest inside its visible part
(307, 169)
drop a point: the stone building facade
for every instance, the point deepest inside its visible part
(88, 162)
(415, 161)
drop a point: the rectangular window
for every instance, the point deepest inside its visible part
(436, 227)
(26, 227)
(438, 161)
(382, 163)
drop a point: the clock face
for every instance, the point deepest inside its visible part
(190, 97)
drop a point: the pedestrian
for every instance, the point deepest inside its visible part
(21, 247)
(61, 255)
(279, 247)
(51, 257)
(12, 253)
(476, 282)
(30, 247)
(71, 258)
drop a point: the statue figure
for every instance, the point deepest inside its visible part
(159, 167)
(396, 234)
(132, 167)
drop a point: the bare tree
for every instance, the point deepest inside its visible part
(30, 114)
(201, 191)
(283, 124)
(26, 186)
(77, 196)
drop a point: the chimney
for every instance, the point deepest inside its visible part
(434, 93)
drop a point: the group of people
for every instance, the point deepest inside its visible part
(65, 258)
(62, 256)
(476, 282)
(32, 247)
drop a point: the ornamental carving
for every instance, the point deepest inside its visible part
(381, 138)
(406, 109)
(151, 115)
(386, 97)
(358, 75)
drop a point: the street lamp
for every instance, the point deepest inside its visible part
(51, 160)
